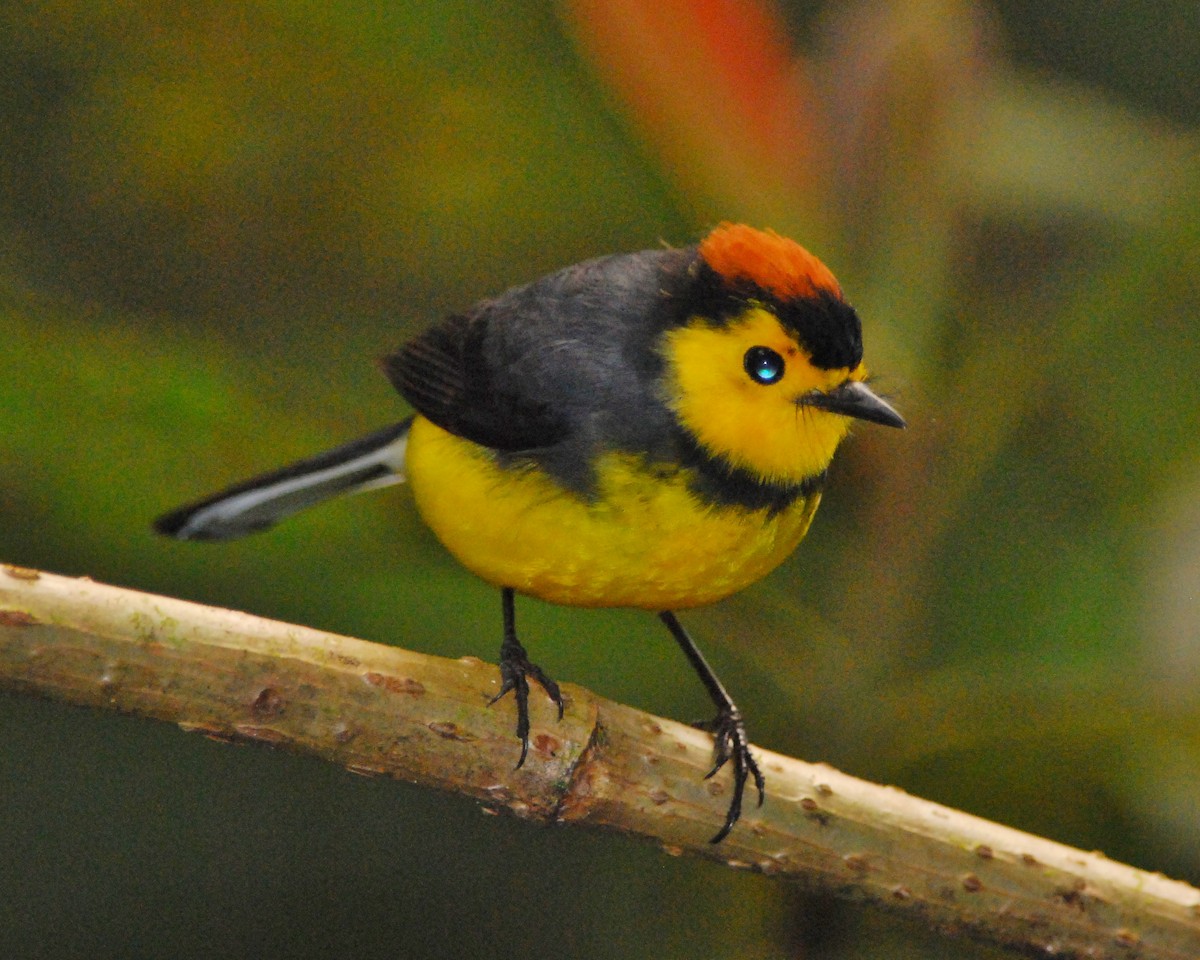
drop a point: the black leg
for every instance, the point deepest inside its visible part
(728, 730)
(515, 668)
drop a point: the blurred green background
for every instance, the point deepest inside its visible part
(213, 218)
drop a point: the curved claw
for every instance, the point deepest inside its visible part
(730, 743)
(515, 668)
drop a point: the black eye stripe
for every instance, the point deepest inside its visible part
(763, 365)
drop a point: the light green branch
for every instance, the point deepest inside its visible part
(381, 710)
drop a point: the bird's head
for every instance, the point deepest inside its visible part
(764, 362)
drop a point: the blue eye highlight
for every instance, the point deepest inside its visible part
(763, 365)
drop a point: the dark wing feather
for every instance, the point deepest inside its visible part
(445, 374)
(557, 368)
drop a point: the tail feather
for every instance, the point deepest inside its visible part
(376, 460)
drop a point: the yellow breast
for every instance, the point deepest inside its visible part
(644, 541)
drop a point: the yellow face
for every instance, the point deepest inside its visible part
(728, 388)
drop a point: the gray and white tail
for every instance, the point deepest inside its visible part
(376, 460)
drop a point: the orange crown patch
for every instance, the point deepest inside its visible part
(775, 263)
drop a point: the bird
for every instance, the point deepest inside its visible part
(648, 430)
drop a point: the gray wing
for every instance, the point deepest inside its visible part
(568, 360)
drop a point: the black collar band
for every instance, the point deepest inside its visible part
(718, 482)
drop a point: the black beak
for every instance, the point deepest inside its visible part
(854, 399)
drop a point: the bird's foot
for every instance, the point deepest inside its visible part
(515, 671)
(730, 743)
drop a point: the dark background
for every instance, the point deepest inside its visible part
(213, 218)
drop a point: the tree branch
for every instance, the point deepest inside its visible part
(381, 710)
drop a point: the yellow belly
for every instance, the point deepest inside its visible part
(643, 542)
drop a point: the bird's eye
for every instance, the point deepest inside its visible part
(763, 365)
